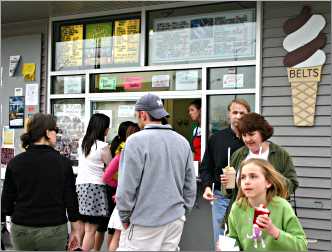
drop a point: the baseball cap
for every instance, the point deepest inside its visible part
(153, 105)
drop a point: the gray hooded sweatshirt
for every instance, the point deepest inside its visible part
(157, 183)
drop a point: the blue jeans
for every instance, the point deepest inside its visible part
(219, 208)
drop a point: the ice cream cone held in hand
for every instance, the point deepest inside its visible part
(304, 61)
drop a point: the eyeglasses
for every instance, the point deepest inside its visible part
(56, 129)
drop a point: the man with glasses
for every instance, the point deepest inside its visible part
(215, 159)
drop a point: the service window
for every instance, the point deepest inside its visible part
(217, 117)
(117, 111)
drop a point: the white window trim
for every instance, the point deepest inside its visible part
(130, 96)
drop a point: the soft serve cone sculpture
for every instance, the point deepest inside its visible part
(304, 61)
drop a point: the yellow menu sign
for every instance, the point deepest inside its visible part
(126, 41)
(70, 48)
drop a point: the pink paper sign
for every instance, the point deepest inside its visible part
(135, 82)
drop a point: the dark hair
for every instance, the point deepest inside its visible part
(120, 137)
(251, 122)
(132, 129)
(37, 126)
(96, 131)
(239, 101)
(197, 103)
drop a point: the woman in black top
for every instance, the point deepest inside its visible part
(39, 189)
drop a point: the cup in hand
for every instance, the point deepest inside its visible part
(230, 173)
(261, 210)
(227, 243)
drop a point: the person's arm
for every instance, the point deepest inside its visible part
(9, 194)
(207, 171)
(207, 166)
(189, 188)
(291, 236)
(290, 173)
(106, 155)
(232, 231)
(111, 170)
(130, 171)
(76, 235)
(70, 195)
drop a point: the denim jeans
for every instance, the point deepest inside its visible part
(219, 208)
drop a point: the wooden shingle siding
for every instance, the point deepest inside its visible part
(310, 147)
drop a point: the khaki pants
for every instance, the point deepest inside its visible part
(39, 238)
(163, 238)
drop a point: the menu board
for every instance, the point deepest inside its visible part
(98, 44)
(126, 41)
(230, 34)
(69, 51)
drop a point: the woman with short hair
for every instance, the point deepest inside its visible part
(256, 132)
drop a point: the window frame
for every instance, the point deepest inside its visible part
(204, 93)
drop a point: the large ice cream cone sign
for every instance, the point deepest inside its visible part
(304, 85)
(304, 60)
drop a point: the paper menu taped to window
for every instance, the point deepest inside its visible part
(133, 82)
(160, 81)
(186, 80)
(126, 111)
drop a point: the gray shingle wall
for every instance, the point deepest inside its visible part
(310, 147)
(29, 28)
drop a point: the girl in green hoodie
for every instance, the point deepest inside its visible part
(259, 183)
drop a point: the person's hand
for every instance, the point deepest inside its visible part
(208, 195)
(76, 235)
(224, 180)
(265, 223)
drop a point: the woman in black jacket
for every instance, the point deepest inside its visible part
(38, 191)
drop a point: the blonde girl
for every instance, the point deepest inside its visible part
(260, 183)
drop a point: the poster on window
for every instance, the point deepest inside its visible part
(186, 80)
(6, 155)
(70, 122)
(224, 35)
(98, 44)
(16, 111)
(126, 41)
(72, 84)
(69, 51)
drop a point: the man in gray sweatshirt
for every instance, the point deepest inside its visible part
(157, 185)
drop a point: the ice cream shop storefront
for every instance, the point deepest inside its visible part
(275, 55)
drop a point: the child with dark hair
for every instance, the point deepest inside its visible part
(94, 155)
